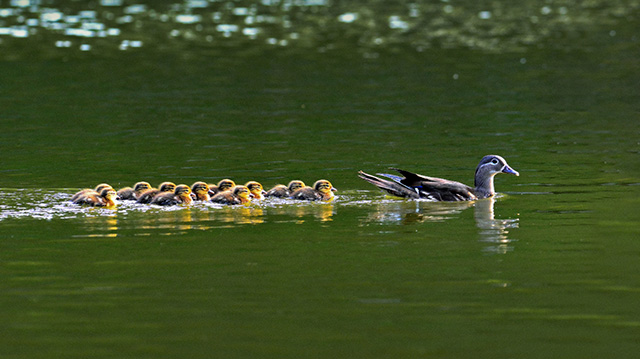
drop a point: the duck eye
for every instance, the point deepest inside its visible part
(494, 161)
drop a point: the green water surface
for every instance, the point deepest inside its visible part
(549, 268)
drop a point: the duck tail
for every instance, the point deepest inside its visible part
(392, 187)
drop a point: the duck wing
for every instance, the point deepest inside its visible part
(437, 189)
(392, 186)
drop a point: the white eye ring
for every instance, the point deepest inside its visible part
(494, 161)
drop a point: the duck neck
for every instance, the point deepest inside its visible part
(484, 184)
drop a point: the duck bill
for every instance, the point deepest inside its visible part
(510, 171)
(333, 189)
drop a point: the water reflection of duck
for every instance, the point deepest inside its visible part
(257, 192)
(416, 186)
(200, 191)
(222, 186)
(238, 195)
(322, 190)
(132, 194)
(87, 191)
(282, 191)
(147, 196)
(181, 195)
(106, 198)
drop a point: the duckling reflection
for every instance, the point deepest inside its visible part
(322, 211)
(100, 226)
(239, 215)
(493, 230)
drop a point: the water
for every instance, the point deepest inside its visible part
(547, 268)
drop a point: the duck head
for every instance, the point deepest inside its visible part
(488, 167)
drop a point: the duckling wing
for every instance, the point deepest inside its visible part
(435, 188)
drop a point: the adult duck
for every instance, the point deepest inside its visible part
(415, 186)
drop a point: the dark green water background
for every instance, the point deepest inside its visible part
(550, 268)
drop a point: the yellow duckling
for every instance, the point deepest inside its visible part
(322, 190)
(106, 198)
(86, 191)
(222, 186)
(238, 195)
(181, 195)
(200, 191)
(132, 194)
(257, 192)
(282, 191)
(147, 196)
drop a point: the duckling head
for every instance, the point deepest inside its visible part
(324, 187)
(167, 187)
(295, 185)
(225, 184)
(141, 187)
(243, 193)
(256, 189)
(110, 195)
(200, 188)
(102, 186)
(184, 192)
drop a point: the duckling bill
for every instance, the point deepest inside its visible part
(416, 186)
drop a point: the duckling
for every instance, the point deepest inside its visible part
(322, 190)
(147, 196)
(257, 192)
(200, 191)
(132, 194)
(413, 185)
(237, 195)
(181, 195)
(86, 191)
(106, 198)
(222, 186)
(282, 191)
